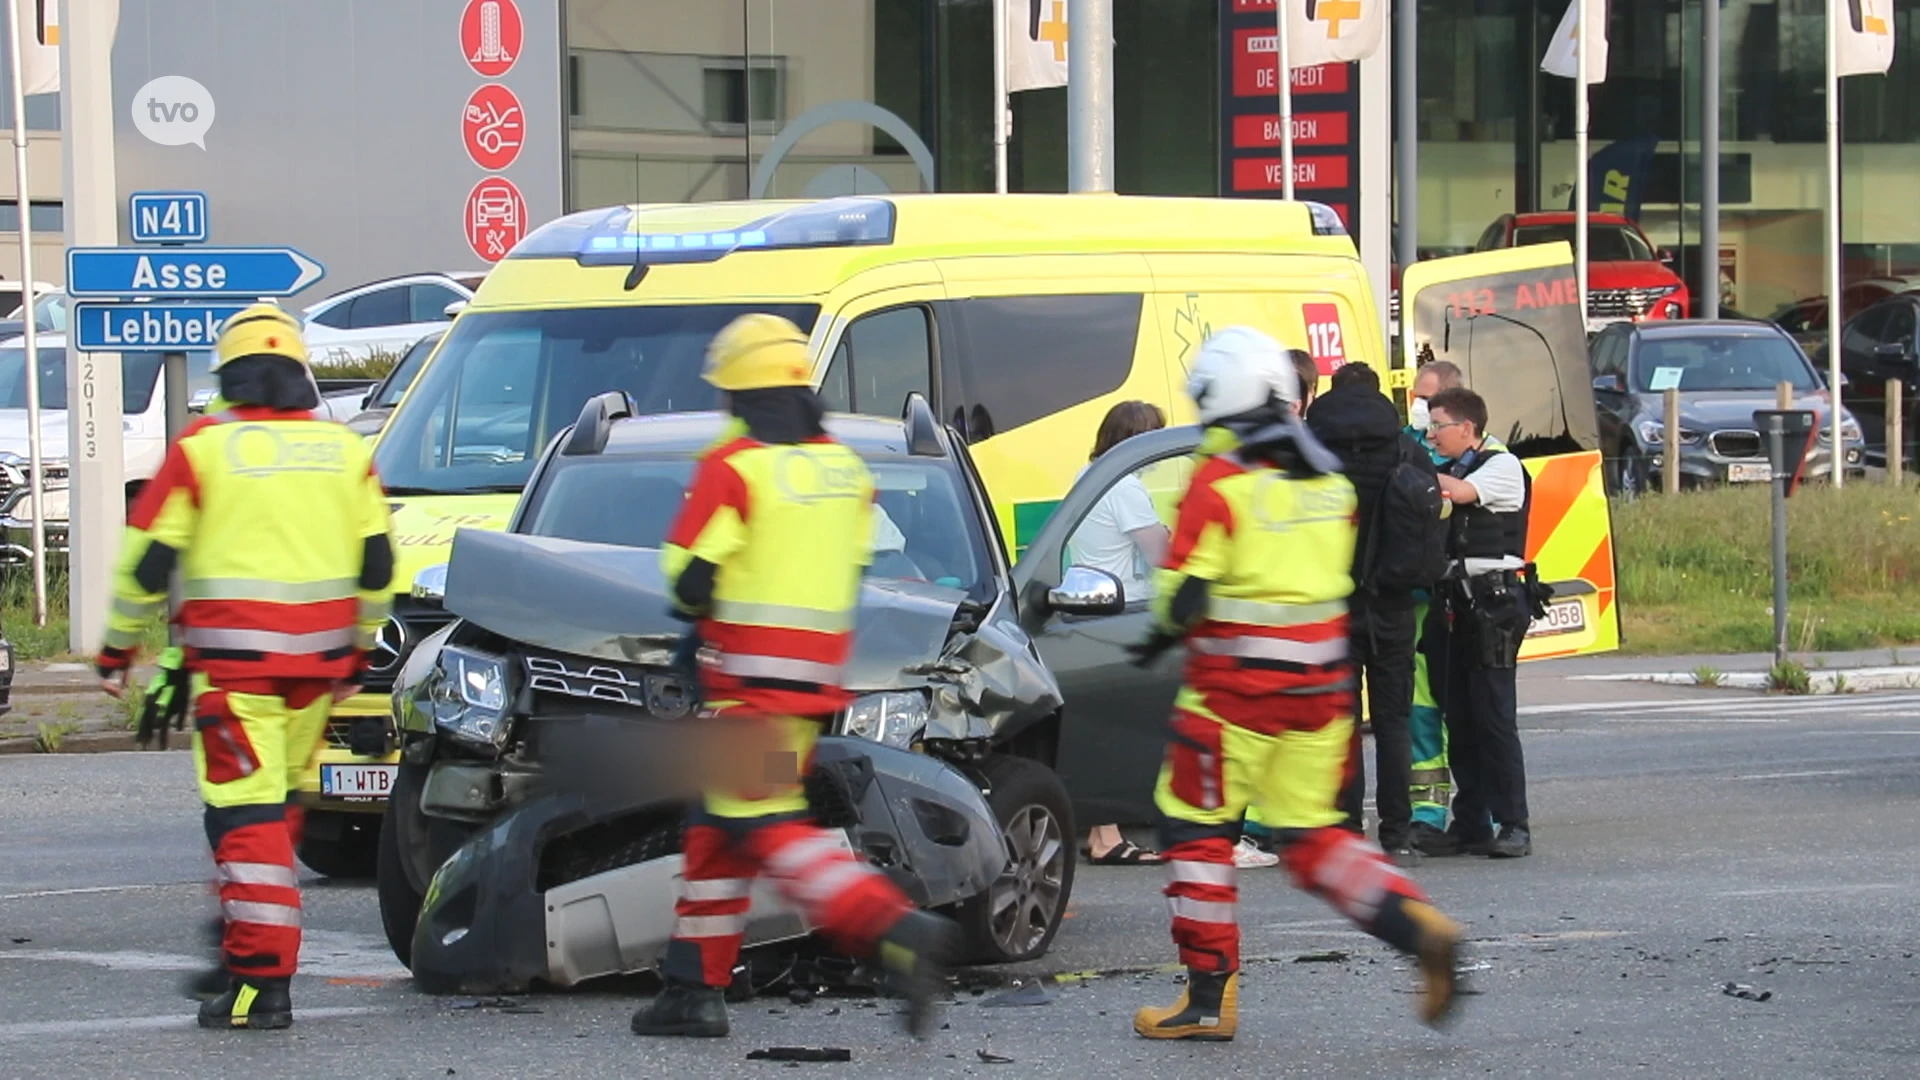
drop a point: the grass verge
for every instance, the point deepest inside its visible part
(1696, 570)
(49, 642)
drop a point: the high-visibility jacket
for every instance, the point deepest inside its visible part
(786, 530)
(279, 526)
(1275, 556)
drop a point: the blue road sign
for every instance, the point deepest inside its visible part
(168, 217)
(189, 272)
(134, 327)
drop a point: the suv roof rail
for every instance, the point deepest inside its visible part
(923, 431)
(596, 422)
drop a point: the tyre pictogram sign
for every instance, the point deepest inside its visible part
(490, 36)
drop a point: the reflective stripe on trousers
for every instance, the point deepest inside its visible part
(1201, 873)
(1203, 911)
(269, 641)
(263, 914)
(1247, 647)
(710, 926)
(717, 889)
(278, 592)
(1261, 613)
(785, 616)
(257, 873)
(749, 666)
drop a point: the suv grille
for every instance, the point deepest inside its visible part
(1736, 444)
(412, 621)
(663, 695)
(1624, 303)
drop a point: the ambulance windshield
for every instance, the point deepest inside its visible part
(503, 384)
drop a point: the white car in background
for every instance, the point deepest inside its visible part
(385, 316)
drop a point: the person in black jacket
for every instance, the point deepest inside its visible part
(1360, 425)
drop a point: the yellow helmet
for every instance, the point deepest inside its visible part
(260, 330)
(754, 352)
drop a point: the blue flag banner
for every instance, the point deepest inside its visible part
(1617, 176)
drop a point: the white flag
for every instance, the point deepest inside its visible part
(39, 46)
(1865, 36)
(1563, 58)
(1333, 31)
(1036, 44)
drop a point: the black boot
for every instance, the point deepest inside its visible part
(1514, 842)
(917, 953)
(253, 1004)
(684, 1009)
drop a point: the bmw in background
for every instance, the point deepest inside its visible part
(533, 830)
(1724, 371)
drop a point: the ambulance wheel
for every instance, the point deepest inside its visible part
(1018, 915)
(400, 899)
(340, 845)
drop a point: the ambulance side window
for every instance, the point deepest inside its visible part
(1029, 357)
(882, 357)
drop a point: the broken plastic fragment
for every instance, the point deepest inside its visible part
(1034, 993)
(1745, 992)
(1331, 956)
(801, 1053)
(992, 1058)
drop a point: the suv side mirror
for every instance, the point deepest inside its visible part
(430, 585)
(1894, 350)
(199, 401)
(1615, 383)
(453, 309)
(1087, 591)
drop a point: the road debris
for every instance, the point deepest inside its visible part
(992, 1058)
(1033, 993)
(1745, 992)
(801, 1053)
(1331, 956)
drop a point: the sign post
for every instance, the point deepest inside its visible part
(1789, 433)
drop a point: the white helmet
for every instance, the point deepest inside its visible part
(1240, 369)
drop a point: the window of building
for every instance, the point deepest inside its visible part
(44, 217)
(736, 92)
(1027, 357)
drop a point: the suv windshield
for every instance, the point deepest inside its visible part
(925, 531)
(139, 375)
(504, 383)
(1725, 362)
(1605, 243)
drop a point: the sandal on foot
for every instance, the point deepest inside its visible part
(1126, 853)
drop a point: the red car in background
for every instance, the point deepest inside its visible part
(1628, 279)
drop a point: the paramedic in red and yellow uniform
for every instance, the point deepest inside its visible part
(1255, 582)
(767, 557)
(279, 528)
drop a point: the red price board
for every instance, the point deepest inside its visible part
(1326, 110)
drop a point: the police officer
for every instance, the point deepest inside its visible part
(279, 527)
(1490, 601)
(1255, 582)
(767, 556)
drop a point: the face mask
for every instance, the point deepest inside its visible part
(1417, 414)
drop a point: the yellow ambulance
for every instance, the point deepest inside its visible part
(1022, 318)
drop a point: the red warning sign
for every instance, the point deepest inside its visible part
(493, 126)
(1324, 339)
(496, 217)
(490, 35)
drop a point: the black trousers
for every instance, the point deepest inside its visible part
(1481, 709)
(1381, 649)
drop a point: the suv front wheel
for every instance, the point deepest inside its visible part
(1017, 916)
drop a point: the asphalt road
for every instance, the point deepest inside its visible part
(1683, 840)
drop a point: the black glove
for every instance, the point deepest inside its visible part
(1144, 653)
(166, 700)
(684, 655)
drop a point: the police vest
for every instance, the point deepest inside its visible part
(1479, 533)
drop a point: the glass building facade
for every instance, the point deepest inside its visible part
(678, 100)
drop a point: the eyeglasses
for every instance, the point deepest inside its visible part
(1435, 429)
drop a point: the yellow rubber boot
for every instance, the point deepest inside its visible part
(1438, 951)
(1208, 1010)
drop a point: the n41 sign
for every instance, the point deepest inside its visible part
(167, 217)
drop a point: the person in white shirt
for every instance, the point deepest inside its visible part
(1124, 536)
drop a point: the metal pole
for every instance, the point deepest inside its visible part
(1580, 165)
(1776, 434)
(174, 377)
(1406, 42)
(1833, 226)
(29, 332)
(1090, 95)
(1000, 96)
(1285, 59)
(1709, 306)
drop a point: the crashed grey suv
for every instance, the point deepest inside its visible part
(533, 830)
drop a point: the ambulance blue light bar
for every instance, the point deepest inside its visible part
(1326, 220)
(619, 237)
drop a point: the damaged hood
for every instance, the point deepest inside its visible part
(610, 602)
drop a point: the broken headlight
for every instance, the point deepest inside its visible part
(894, 719)
(467, 693)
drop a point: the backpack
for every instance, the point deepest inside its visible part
(1407, 545)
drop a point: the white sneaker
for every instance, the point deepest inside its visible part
(1248, 856)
